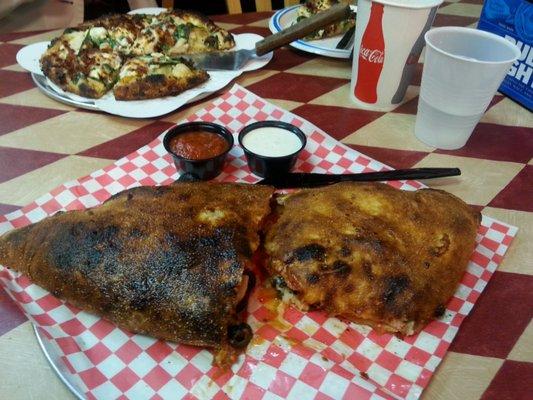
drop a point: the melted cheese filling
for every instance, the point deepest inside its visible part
(75, 40)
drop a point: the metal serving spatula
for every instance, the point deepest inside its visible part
(233, 60)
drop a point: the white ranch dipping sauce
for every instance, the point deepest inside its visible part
(271, 141)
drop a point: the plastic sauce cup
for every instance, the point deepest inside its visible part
(271, 147)
(202, 169)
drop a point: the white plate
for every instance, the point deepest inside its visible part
(325, 47)
(28, 58)
(148, 10)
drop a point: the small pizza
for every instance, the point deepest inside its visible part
(313, 7)
(157, 75)
(137, 52)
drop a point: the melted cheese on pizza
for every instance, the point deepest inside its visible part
(156, 75)
(312, 7)
(90, 59)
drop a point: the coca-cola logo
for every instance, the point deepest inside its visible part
(373, 56)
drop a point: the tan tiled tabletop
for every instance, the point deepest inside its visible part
(44, 143)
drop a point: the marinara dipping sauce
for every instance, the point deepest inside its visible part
(198, 145)
(199, 149)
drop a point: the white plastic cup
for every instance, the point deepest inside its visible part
(463, 68)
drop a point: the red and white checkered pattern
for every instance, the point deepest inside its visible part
(300, 355)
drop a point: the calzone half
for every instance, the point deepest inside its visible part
(370, 253)
(168, 261)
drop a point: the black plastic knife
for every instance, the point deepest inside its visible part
(303, 180)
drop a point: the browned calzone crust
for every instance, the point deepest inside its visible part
(169, 261)
(164, 261)
(373, 254)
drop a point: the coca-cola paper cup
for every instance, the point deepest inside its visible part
(389, 38)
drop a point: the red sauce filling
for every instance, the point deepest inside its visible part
(198, 145)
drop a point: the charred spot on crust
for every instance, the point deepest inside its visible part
(312, 278)
(61, 77)
(211, 41)
(57, 39)
(377, 245)
(112, 267)
(155, 79)
(142, 293)
(366, 240)
(223, 245)
(184, 196)
(18, 236)
(349, 288)
(90, 247)
(312, 251)
(416, 217)
(86, 90)
(439, 311)
(345, 251)
(393, 288)
(136, 233)
(329, 296)
(340, 268)
(367, 269)
(139, 191)
(228, 38)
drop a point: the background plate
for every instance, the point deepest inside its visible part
(325, 47)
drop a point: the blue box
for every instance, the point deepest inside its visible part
(513, 20)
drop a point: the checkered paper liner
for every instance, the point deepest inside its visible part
(296, 356)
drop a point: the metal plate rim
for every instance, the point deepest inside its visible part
(41, 340)
(40, 82)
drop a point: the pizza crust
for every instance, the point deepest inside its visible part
(157, 81)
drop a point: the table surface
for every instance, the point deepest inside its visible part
(44, 143)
